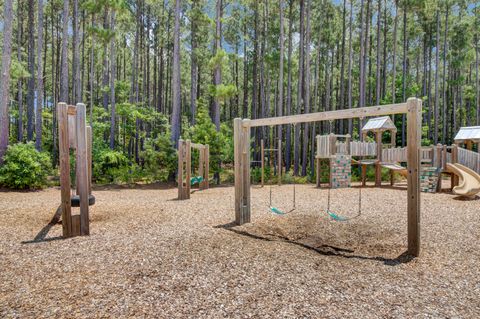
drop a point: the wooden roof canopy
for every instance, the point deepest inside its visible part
(379, 124)
(470, 133)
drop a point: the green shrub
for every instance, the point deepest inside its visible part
(24, 167)
(160, 159)
(112, 166)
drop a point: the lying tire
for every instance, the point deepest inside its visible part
(75, 201)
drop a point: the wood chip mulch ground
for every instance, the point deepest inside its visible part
(150, 255)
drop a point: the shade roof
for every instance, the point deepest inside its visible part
(468, 133)
(383, 123)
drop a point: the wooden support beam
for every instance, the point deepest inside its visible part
(378, 167)
(181, 149)
(82, 169)
(188, 168)
(330, 116)
(64, 157)
(246, 174)
(206, 177)
(237, 150)
(89, 157)
(414, 135)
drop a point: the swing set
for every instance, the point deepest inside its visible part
(413, 110)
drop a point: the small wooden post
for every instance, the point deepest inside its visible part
(188, 168)
(64, 157)
(319, 171)
(262, 160)
(454, 178)
(439, 164)
(378, 168)
(279, 162)
(364, 174)
(82, 167)
(414, 135)
(347, 142)
(469, 145)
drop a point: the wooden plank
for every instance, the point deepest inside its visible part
(82, 169)
(197, 146)
(414, 135)
(319, 172)
(188, 169)
(72, 131)
(237, 150)
(330, 116)
(64, 157)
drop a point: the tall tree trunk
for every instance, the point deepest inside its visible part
(5, 76)
(194, 68)
(350, 61)
(176, 80)
(379, 63)
(31, 70)
(112, 82)
(218, 69)
(404, 69)
(76, 84)
(105, 64)
(280, 74)
(64, 60)
(92, 72)
(444, 79)
(307, 89)
(361, 99)
(38, 119)
(20, 58)
(394, 58)
(301, 48)
(288, 139)
(437, 67)
(477, 58)
(341, 102)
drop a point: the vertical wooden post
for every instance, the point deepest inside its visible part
(378, 167)
(82, 165)
(237, 150)
(347, 142)
(246, 173)
(188, 168)
(478, 157)
(439, 164)
(319, 171)
(279, 161)
(64, 157)
(262, 160)
(469, 145)
(181, 148)
(414, 135)
(454, 178)
(393, 138)
(364, 174)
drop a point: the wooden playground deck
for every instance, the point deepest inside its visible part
(150, 255)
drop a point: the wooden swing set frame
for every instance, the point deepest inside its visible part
(185, 164)
(412, 108)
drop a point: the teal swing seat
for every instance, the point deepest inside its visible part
(196, 180)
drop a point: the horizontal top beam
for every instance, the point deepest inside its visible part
(198, 146)
(362, 112)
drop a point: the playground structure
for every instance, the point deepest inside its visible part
(263, 150)
(185, 168)
(74, 134)
(462, 165)
(412, 108)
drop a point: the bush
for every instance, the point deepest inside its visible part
(160, 159)
(112, 166)
(24, 167)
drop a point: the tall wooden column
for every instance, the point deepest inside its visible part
(414, 135)
(378, 167)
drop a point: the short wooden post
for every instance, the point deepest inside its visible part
(454, 178)
(64, 157)
(319, 171)
(347, 142)
(469, 145)
(439, 164)
(414, 135)
(364, 174)
(279, 162)
(262, 160)
(188, 168)
(378, 167)
(82, 165)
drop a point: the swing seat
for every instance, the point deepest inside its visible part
(196, 180)
(336, 217)
(75, 200)
(276, 211)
